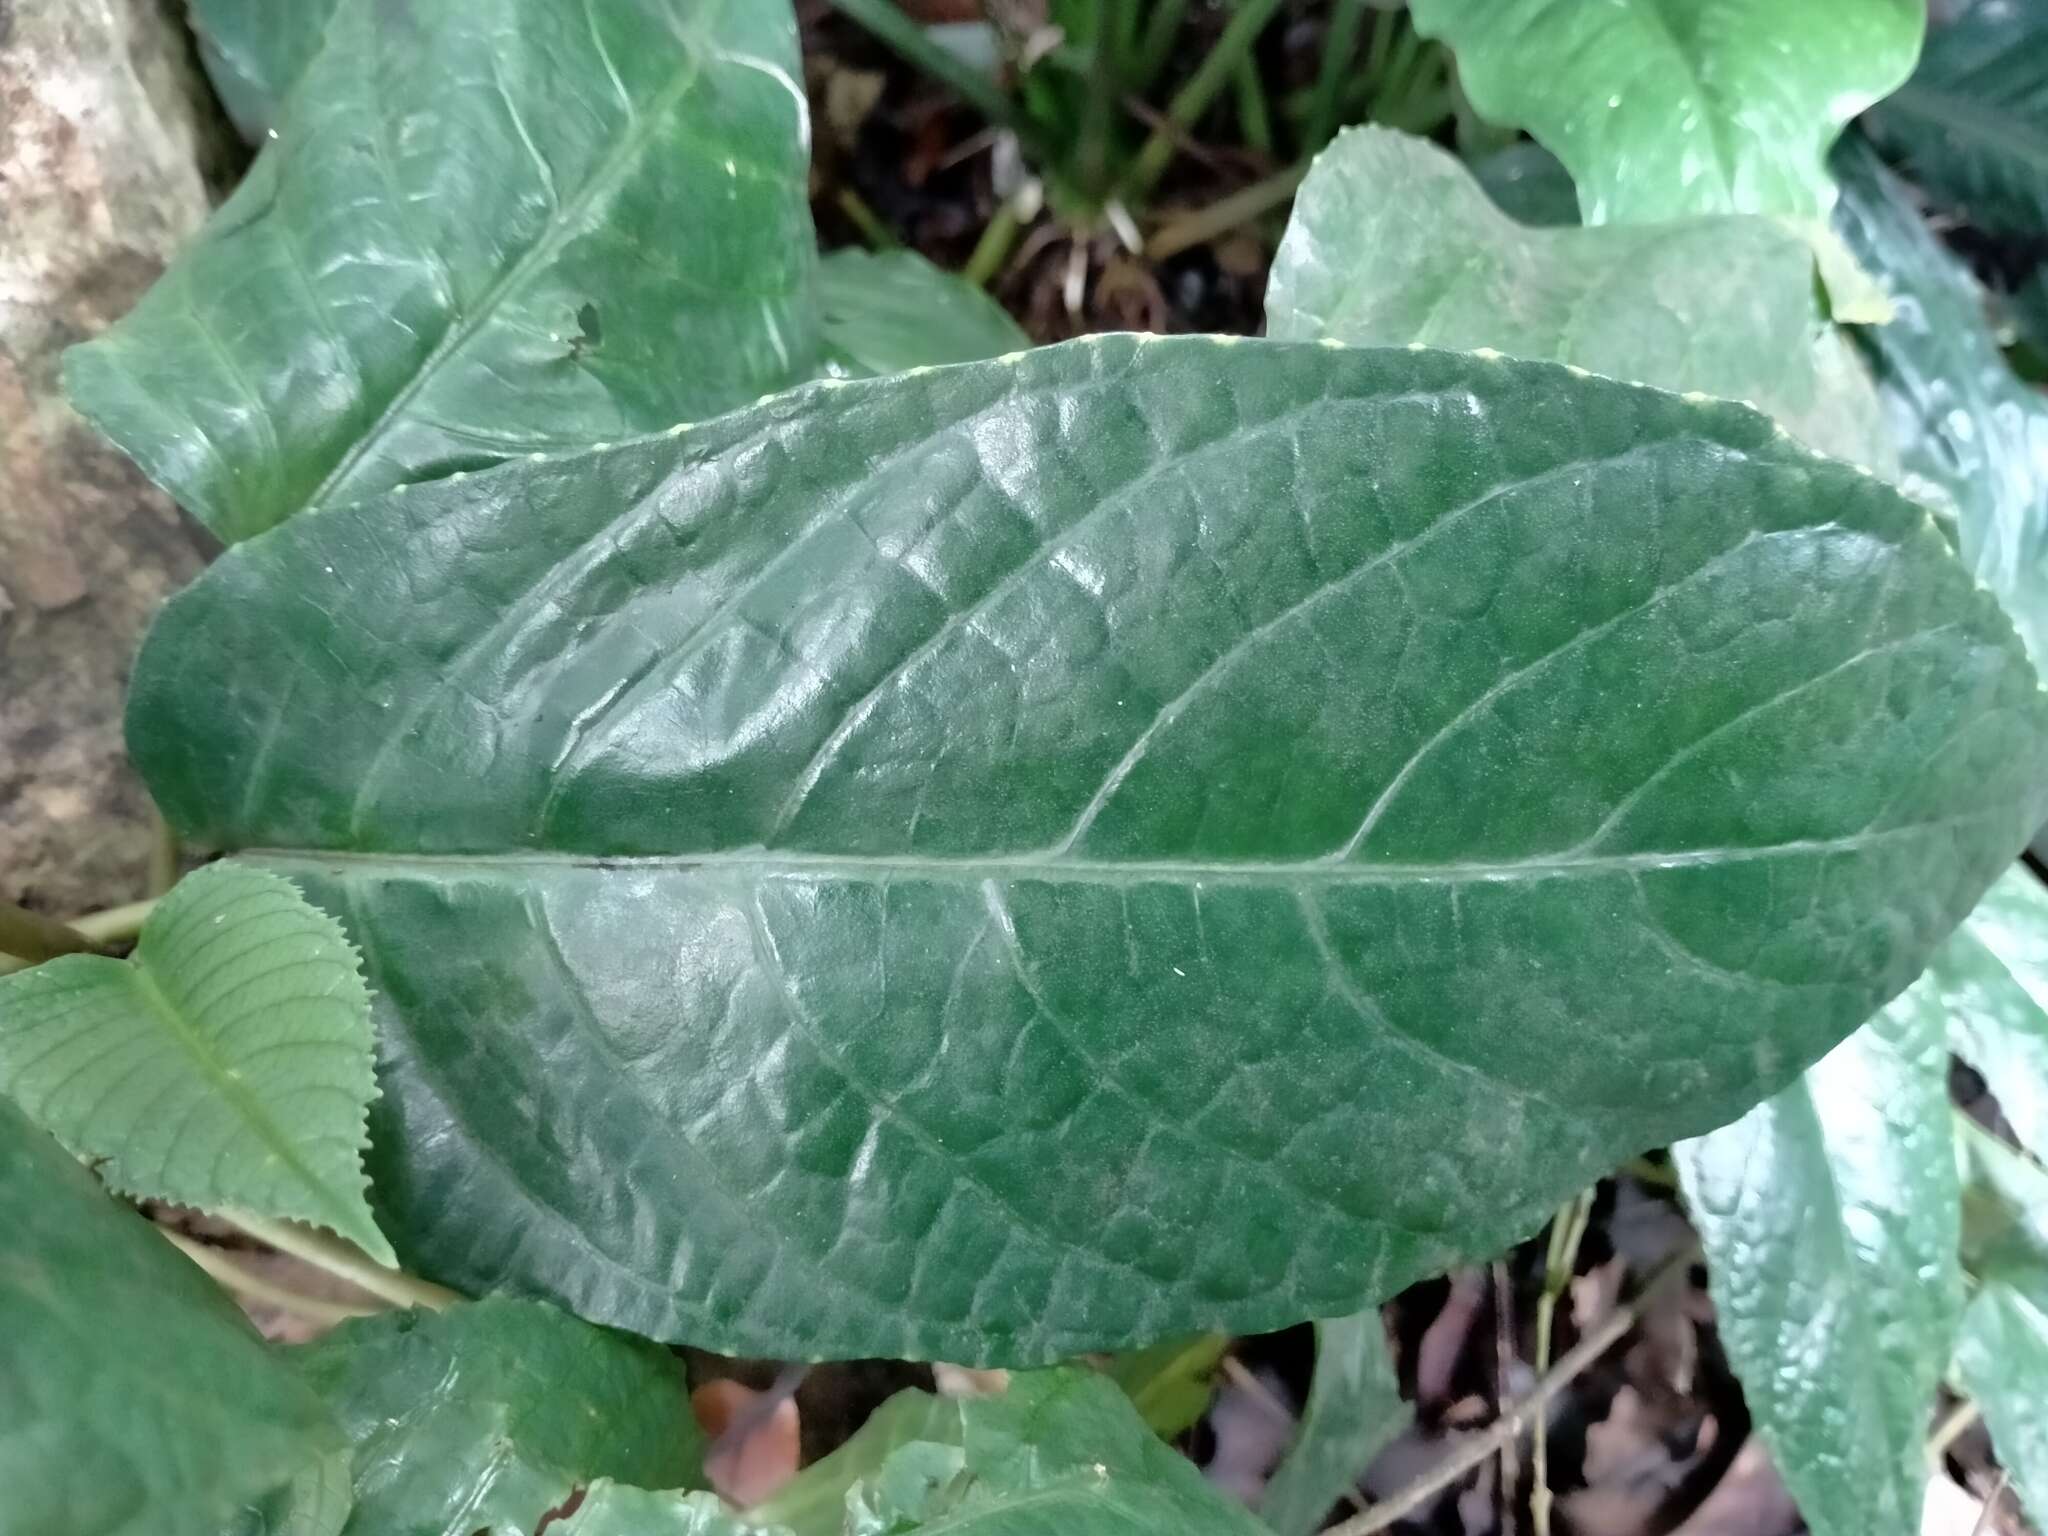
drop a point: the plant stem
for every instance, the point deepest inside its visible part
(993, 248)
(1479, 1447)
(906, 37)
(226, 1271)
(34, 938)
(1945, 1435)
(1193, 98)
(345, 1262)
(1225, 214)
(116, 924)
(1567, 1231)
(1339, 46)
(866, 220)
(163, 855)
(1156, 47)
(1253, 119)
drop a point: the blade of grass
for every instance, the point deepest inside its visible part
(1156, 47)
(1194, 98)
(1340, 45)
(907, 38)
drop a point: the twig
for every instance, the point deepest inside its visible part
(1476, 1450)
(225, 1270)
(1503, 1354)
(1567, 1231)
(34, 938)
(346, 1262)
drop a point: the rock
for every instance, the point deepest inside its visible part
(104, 129)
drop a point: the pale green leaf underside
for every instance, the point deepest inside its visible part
(1393, 241)
(227, 1065)
(482, 230)
(489, 1415)
(1177, 835)
(1962, 418)
(1830, 1219)
(1662, 110)
(1354, 1408)
(884, 313)
(135, 1400)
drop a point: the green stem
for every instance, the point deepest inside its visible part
(345, 1261)
(163, 855)
(906, 37)
(226, 1271)
(1339, 46)
(1194, 98)
(31, 937)
(1252, 116)
(1950, 1429)
(993, 248)
(1225, 214)
(1157, 45)
(863, 218)
(115, 925)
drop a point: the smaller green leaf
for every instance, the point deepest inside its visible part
(613, 1509)
(1830, 1220)
(1392, 241)
(890, 312)
(813, 1503)
(493, 1413)
(2002, 1358)
(227, 1065)
(1354, 1409)
(1171, 1382)
(2005, 1208)
(134, 1399)
(1991, 982)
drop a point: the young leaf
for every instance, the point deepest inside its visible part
(253, 50)
(1354, 1409)
(491, 1414)
(882, 314)
(2002, 1354)
(1660, 111)
(613, 1509)
(1038, 856)
(483, 230)
(1830, 1219)
(1170, 1383)
(1392, 241)
(1971, 126)
(1963, 420)
(813, 1503)
(227, 1065)
(1990, 982)
(134, 1399)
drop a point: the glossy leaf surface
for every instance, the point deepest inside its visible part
(226, 1066)
(489, 1415)
(483, 230)
(1393, 241)
(1660, 110)
(1153, 836)
(884, 313)
(134, 1399)
(1971, 126)
(1354, 1408)
(1990, 985)
(1830, 1219)
(254, 49)
(1963, 420)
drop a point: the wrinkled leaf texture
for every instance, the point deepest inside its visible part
(482, 230)
(1393, 241)
(1150, 836)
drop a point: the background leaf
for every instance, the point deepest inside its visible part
(2002, 1354)
(813, 1503)
(1392, 241)
(134, 1399)
(1170, 1383)
(1971, 126)
(254, 49)
(1354, 1409)
(1183, 834)
(1991, 981)
(227, 1066)
(613, 1509)
(1660, 111)
(488, 1415)
(483, 230)
(1963, 421)
(884, 313)
(1830, 1218)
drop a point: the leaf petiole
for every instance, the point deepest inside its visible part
(345, 1261)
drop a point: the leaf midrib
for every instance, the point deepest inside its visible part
(1046, 868)
(248, 1107)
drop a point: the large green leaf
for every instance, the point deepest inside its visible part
(1830, 1217)
(1991, 983)
(1354, 1408)
(1971, 126)
(1151, 836)
(884, 313)
(1661, 110)
(1393, 241)
(253, 51)
(226, 1066)
(134, 1399)
(483, 230)
(2002, 1354)
(491, 1414)
(1963, 420)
